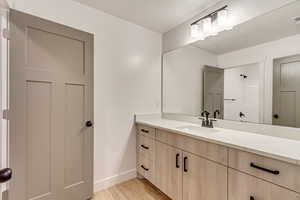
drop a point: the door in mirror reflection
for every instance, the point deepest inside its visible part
(286, 88)
(213, 91)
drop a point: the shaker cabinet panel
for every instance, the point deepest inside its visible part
(203, 179)
(168, 170)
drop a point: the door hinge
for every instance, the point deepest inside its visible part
(5, 114)
(6, 33)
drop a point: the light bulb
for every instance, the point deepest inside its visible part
(229, 24)
(195, 30)
(214, 28)
(207, 26)
(222, 18)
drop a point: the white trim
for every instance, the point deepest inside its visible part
(113, 180)
(4, 67)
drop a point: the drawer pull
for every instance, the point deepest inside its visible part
(252, 198)
(146, 169)
(177, 160)
(144, 146)
(144, 130)
(184, 164)
(275, 172)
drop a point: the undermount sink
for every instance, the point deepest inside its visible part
(197, 129)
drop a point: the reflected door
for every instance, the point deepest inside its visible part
(213, 91)
(286, 89)
(51, 143)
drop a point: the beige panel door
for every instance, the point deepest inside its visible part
(168, 170)
(203, 179)
(286, 89)
(51, 100)
(213, 98)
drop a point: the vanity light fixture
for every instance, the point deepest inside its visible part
(211, 24)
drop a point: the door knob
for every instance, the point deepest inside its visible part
(89, 124)
(5, 175)
(276, 116)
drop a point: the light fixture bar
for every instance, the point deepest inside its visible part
(209, 15)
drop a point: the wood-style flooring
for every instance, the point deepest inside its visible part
(135, 189)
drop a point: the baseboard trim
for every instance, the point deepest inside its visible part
(113, 180)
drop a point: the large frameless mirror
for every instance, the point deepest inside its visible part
(249, 74)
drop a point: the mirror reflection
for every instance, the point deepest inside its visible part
(248, 74)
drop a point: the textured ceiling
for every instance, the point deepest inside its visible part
(157, 15)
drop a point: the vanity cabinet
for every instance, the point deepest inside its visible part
(203, 179)
(182, 175)
(245, 187)
(178, 165)
(185, 168)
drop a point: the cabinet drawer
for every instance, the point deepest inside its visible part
(275, 171)
(204, 149)
(146, 147)
(245, 187)
(146, 131)
(146, 168)
(146, 157)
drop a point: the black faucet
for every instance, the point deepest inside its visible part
(205, 114)
(215, 113)
(205, 121)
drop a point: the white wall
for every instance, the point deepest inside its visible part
(183, 79)
(264, 54)
(127, 80)
(240, 12)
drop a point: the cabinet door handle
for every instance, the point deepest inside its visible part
(185, 164)
(252, 198)
(5, 175)
(275, 172)
(146, 169)
(177, 160)
(144, 130)
(145, 147)
(89, 124)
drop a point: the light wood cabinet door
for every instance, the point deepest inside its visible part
(245, 187)
(203, 179)
(168, 167)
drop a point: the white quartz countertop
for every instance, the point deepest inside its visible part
(274, 147)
